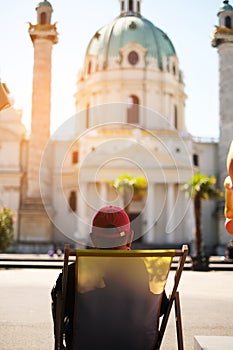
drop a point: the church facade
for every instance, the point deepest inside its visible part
(130, 119)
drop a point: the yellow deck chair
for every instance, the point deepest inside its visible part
(118, 297)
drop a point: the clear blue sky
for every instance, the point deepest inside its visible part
(188, 23)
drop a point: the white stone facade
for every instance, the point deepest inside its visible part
(12, 136)
(130, 119)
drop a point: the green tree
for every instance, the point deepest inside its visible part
(201, 187)
(129, 187)
(6, 228)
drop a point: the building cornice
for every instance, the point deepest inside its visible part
(43, 31)
(222, 34)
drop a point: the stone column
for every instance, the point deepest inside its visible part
(35, 223)
(150, 214)
(223, 40)
(83, 227)
(170, 204)
(40, 123)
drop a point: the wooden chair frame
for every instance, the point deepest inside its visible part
(173, 297)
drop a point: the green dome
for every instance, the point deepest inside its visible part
(226, 6)
(126, 29)
(44, 3)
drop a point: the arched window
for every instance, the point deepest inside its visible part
(74, 157)
(138, 7)
(174, 69)
(89, 68)
(43, 18)
(133, 110)
(130, 5)
(195, 160)
(228, 22)
(73, 201)
(175, 117)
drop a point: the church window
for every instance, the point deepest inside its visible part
(133, 57)
(175, 117)
(75, 157)
(228, 22)
(138, 6)
(130, 5)
(73, 201)
(133, 110)
(89, 68)
(122, 6)
(43, 18)
(174, 69)
(195, 160)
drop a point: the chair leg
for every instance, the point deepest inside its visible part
(178, 322)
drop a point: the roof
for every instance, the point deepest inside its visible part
(108, 40)
(44, 3)
(225, 7)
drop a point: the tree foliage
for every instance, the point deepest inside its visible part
(201, 187)
(6, 228)
(125, 181)
(129, 187)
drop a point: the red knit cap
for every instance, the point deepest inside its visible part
(108, 218)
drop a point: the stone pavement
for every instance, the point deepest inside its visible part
(26, 323)
(206, 305)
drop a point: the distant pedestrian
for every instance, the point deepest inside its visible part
(229, 251)
(51, 253)
(59, 252)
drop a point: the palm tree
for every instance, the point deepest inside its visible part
(130, 187)
(201, 187)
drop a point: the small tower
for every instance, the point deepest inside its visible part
(223, 40)
(43, 35)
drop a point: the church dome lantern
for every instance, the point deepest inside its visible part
(44, 3)
(130, 7)
(224, 31)
(225, 6)
(226, 15)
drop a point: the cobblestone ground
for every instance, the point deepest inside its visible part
(26, 323)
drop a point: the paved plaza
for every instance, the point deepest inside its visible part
(26, 323)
